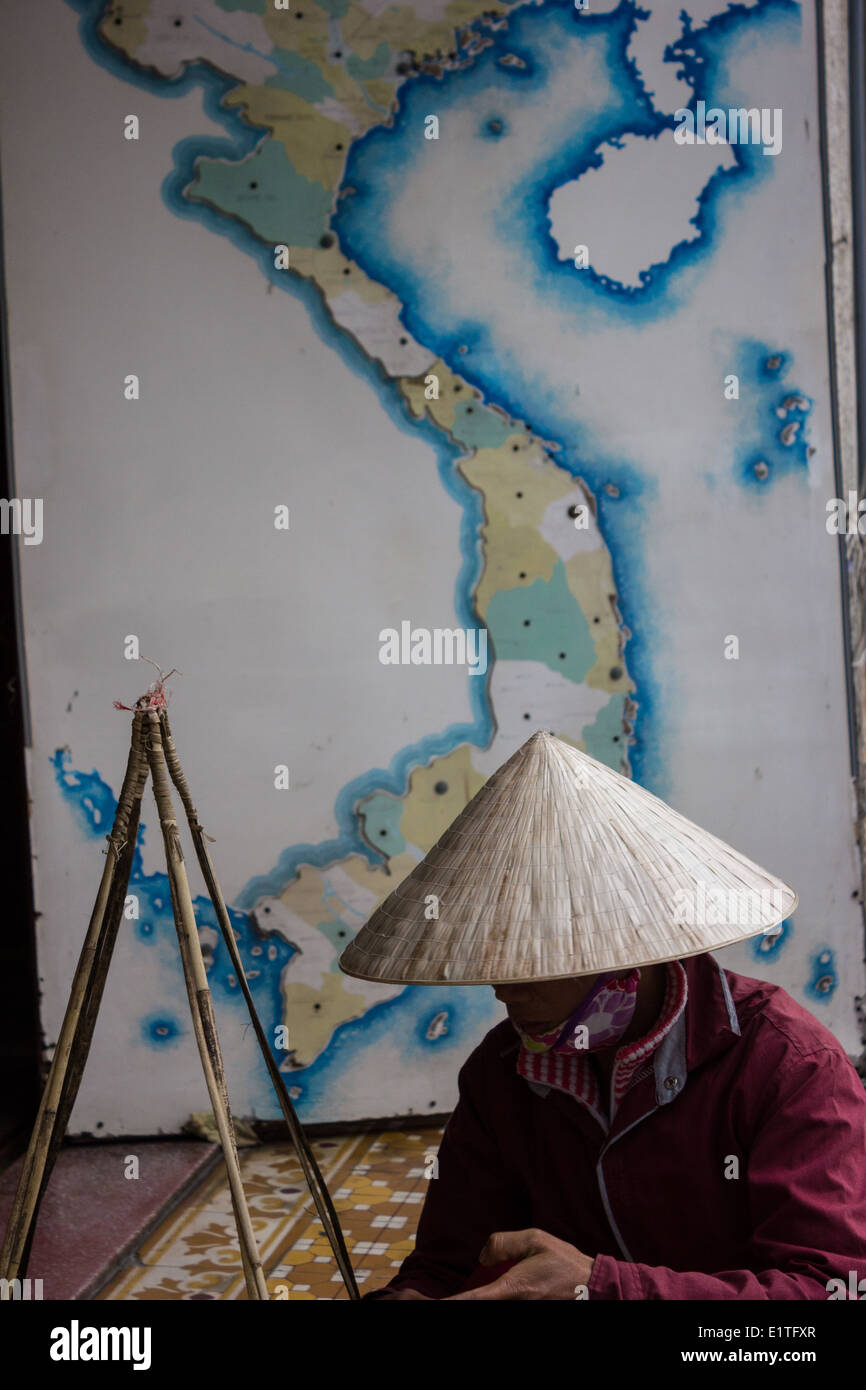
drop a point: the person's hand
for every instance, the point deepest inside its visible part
(548, 1268)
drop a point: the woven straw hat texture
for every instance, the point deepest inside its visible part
(561, 867)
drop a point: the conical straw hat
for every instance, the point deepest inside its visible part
(558, 867)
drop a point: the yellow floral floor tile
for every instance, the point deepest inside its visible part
(377, 1180)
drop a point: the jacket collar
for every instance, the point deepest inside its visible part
(708, 1025)
(712, 1021)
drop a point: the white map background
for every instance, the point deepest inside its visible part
(261, 387)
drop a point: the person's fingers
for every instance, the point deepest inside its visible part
(500, 1288)
(513, 1245)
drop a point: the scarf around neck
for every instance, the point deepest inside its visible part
(600, 1018)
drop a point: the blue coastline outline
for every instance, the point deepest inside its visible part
(619, 517)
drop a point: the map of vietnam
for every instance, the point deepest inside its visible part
(542, 576)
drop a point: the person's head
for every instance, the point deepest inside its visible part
(604, 1010)
(538, 1006)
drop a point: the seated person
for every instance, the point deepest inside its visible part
(660, 1128)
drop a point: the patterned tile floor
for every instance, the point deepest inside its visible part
(377, 1182)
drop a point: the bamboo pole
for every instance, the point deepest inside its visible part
(201, 1007)
(150, 740)
(73, 1044)
(316, 1183)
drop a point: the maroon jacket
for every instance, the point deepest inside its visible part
(746, 1073)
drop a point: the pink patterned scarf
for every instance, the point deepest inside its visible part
(599, 1019)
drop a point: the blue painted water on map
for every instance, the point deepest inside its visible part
(533, 35)
(824, 976)
(380, 163)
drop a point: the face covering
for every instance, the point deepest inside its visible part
(599, 1020)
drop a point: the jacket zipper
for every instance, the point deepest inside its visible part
(603, 1189)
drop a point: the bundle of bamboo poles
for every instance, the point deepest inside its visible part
(152, 751)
